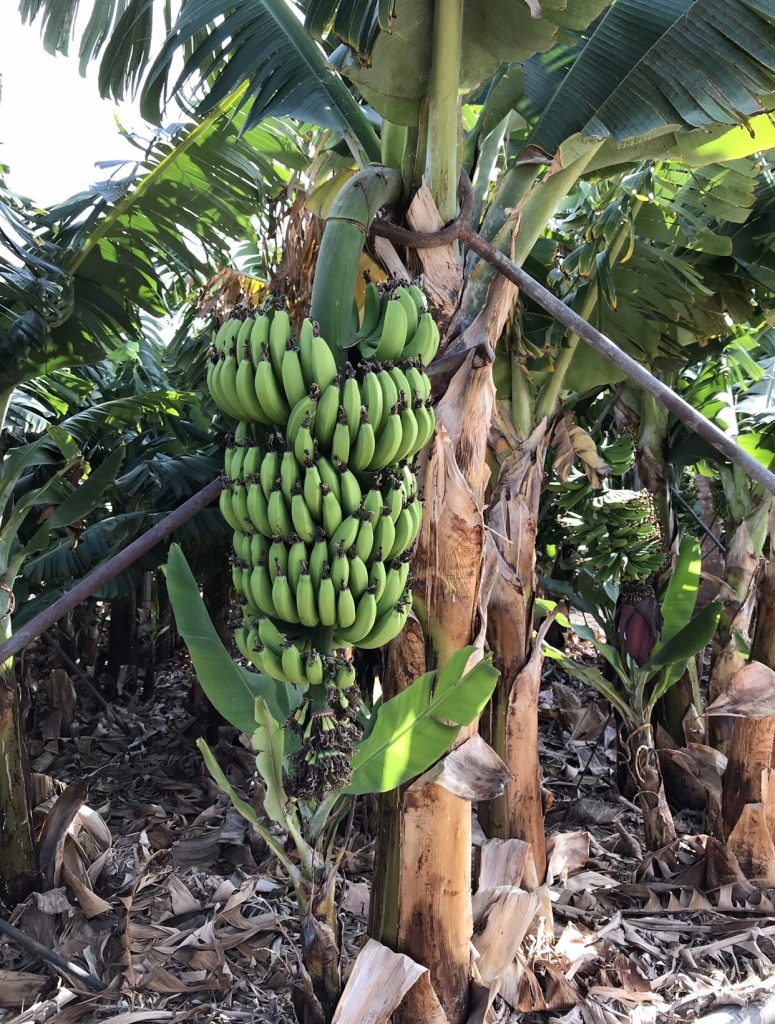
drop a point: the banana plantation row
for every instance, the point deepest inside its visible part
(429, 484)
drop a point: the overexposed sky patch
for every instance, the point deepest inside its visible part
(53, 124)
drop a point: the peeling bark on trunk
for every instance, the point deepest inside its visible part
(316, 995)
(511, 722)
(18, 856)
(405, 663)
(436, 916)
(751, 747)
(644, 765)
(435, 891)
(739, 599)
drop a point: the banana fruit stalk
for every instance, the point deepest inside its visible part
(323, 501)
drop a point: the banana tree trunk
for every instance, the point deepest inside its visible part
(405, 663)
(740, 571)
(316, 994)
(750, 755)
(510, 724)
(658, 822)
(436, 826)
(18, 859)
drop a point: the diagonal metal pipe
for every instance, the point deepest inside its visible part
(108, 570)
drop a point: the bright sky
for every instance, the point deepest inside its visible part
(53, 124)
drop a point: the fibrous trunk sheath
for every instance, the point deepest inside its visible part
(18, 862)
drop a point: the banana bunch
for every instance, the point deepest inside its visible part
(320, 493)
(618, 536)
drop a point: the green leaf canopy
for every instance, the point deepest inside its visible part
(656, 65)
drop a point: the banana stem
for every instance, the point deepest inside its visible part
(393, 144)
(443, 106)
(355, 208)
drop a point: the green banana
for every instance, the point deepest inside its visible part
(303, 445)
(326, 599)
(304, 410)
(258, 545)
(363, 622)
(293, 666)
(279, 336)
(345, 534)
(388, 626)
(290, 475)
(311, 487)
(303, 523)
(425, 343)
(389, 397)
(306, 603)
(268, 393)
(385, 531)
(409, 432)
(345, 608)
(313, 668)
(318, 558)
(403, 295)
(269, 470)
(372, 306)
(393, 336)
(377, 577)
(332, 511)
(277, 557)
(362, 451)
(426, 425)
(293, 376)
(282, 597)
(259, 336)
(364, 542)
(358, 578)
(258, 509)
(261, 589)
(350, 490)
(323, 363)
(404, 534)
(329, 476)
(351, 401)
(327, 413)
(371, 396)
(306, 334)
(340, 567)
(267, 662)
(388, 441)
(277, 513)
(340, 444)
(227, 510)
(297, 556)
(245, 387)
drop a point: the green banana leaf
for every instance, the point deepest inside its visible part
(397, 78)
(268, 742)
(682, 589)
(219, 776)
(414, 728)
(231, 690)
(80, 502)
(688, 641)
(259, 47)
(655, 65)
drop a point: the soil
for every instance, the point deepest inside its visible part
(163, 893)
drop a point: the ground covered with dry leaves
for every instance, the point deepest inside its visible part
(162, 892)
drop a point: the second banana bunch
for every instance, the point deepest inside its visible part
(319, 488)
